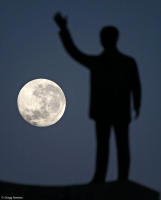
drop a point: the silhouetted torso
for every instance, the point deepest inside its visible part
(112, 81)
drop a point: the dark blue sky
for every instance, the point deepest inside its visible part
(30, 48)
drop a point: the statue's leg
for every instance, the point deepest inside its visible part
(123, 152)
(102, 150)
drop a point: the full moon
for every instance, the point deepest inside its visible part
(41, 102)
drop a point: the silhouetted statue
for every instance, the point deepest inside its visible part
(114, 79)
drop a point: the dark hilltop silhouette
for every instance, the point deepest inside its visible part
(116, 190)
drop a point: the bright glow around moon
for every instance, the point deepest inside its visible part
(41, 102)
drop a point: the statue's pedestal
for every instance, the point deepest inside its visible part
(108, 191)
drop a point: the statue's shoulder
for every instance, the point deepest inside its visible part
(128, 59)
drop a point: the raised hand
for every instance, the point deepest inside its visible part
(60, 21)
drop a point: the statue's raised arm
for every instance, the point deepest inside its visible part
(68, 43)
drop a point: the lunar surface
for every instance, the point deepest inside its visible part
(41, 102)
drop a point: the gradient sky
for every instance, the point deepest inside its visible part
(64, 153)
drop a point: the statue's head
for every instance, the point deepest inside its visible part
(109, 37)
